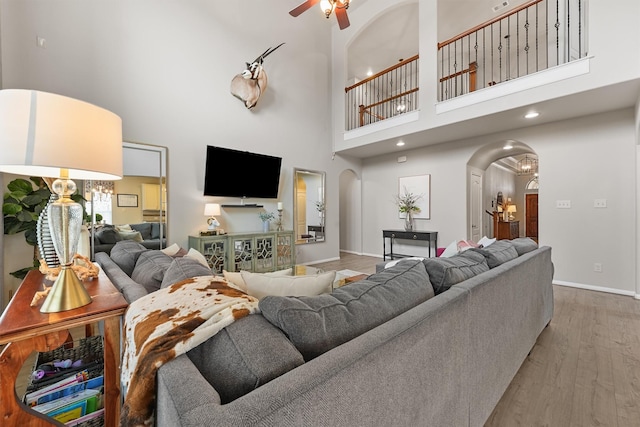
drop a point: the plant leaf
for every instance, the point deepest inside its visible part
(20, 185)
(11, 208)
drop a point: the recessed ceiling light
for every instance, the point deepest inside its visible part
(369, 73)
(507, 146)
(531, 115)
(400, 143)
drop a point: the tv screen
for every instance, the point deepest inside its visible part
(233, 173)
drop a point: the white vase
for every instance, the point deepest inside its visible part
(408, 221)
(265, 226)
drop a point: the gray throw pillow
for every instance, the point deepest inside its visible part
(497, 253)
(319, 323)
(243, 356)
(150, 268)
(155, 230)
(125, 253)
(524, 245)
(107, 235)
(144, 229)
(184, 268)
(446, 272)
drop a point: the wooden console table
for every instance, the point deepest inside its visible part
(420, 236)
(24, 329)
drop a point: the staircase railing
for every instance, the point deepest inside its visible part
(388, 93)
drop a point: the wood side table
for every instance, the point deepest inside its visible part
(24, 329)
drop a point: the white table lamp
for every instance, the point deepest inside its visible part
(212, 210)
(49, 135)
(511, 210)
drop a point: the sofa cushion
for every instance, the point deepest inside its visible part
(150, 269)
(243, 356)
(235, 277)
(524, 245)
(446, 272)
(107, 235)
(126, 253)
(130, 235)
(260, 285)
(155, 230)
(144, 229)
(319, 323)
(183, 268)
(498, 253)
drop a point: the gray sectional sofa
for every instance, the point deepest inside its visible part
(433, 342)
(107, 236)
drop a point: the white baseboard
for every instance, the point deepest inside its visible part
(373, 255)
(351, 252)
(319, 261)
(596, 288)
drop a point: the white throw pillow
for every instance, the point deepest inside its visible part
(197, 256)
(130, 235)
(395, 261)
(236, 277)
(171, 250)
(485, 241)
(451, 250)
(261, 285)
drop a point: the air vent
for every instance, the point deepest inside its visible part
(500, 6)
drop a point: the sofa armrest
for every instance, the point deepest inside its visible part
(130, 289)
(181, 388)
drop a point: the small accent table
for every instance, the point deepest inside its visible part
(420, 236)
(24, 329)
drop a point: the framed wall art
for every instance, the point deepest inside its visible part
(418, 185)
(127, 200)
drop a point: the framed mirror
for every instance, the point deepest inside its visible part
(134, 207)
(309, 206)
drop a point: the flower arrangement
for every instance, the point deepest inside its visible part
(320, 206)
(266, 216)
(408, 202)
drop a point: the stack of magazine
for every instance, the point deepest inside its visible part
(69, 391)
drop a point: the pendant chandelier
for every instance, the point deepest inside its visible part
(527, 165)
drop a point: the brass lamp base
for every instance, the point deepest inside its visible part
(67, 293)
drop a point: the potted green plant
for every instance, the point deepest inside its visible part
(266, 217)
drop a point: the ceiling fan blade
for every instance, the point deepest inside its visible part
(303, 7)
(343, 19)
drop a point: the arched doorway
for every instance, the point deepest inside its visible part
(502, 186)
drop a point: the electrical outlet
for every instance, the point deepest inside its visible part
(563, 204)
(600, 203)
(597, 267)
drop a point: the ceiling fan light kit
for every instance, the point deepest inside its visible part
(327, 7)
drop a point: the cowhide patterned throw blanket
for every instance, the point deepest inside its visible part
(167, 323)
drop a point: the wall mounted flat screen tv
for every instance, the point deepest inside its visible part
(234, 173)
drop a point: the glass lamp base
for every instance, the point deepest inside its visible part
(67, 293)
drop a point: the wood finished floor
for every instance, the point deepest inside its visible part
(584, 369)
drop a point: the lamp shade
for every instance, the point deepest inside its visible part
(211, 209)
(511, 208)
(41, 133)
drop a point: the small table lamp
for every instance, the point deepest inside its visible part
(211, 210)
(511, 210)
(49, 135)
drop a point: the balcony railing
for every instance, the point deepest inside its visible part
(532, 37)
(388, 93)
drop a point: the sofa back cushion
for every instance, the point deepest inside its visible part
(319, 323)
(446, 272)
(184, 268)
(144, 229)
(498, 253)
(125, 254)
(260, 285)
(243, 356)
(155, 230)
(150, 269)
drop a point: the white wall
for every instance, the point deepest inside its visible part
(580, 160)
(350, 212)
(165, 67)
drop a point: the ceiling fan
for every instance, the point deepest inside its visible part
(327, 6)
